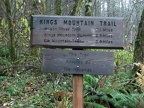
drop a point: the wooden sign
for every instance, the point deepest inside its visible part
(77, 62)
(77, 31)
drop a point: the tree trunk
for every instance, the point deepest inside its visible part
(1, 12)
(88, 8)
(10, 28)
(76, 8)
(43, 6)
(98, 8)
(139, 42)
(109, 8)
(58, 4)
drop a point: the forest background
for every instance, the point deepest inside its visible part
(23, 84)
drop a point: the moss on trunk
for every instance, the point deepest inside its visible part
(139, 42)
(58, 7)
(10, 28)
(88, 8)
(76, 8)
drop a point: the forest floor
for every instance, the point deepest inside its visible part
(27, 90)
(33, 89)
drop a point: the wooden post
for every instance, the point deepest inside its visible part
(78, 101)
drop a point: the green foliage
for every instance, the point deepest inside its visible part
(123, 60)
(93, 105)
(24, 22)
(122, 57)
(58, 7)
(90, 81)
(4, 61)
(3, 24)
(31, 89)
(4, 52)
(118, 92)
(119, 100)
(88, 8)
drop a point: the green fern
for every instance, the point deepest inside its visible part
(4, 65)
(93, 105)
(120, 96)
(90, 81)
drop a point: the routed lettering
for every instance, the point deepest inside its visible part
(78, 22)
(45, 22)
(108, 23)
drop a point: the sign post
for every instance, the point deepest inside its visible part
(77, 62)
(78, 101)
(77, 32)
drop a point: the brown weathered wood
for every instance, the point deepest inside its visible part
(78, 100)
(77, 31)
(77, 62)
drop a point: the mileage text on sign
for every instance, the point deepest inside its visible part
(74, 31)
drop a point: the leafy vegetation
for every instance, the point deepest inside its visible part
(117, 92)
(32, 88)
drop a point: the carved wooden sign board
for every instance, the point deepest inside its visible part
(77, 62)
(77, 31)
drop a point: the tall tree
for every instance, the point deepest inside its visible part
(1, 11)
(9, 16)
(76, 8)
(88, 8)
(108, 8)
(139, 42)
(97, 7)
(58, 7)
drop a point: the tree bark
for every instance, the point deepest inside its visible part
(76, 8)
(43, 6)
(139, 42)
(88, 8)
(1, 12)
(108, 8)
(58, 7)
(98, 8)
(11, 29)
